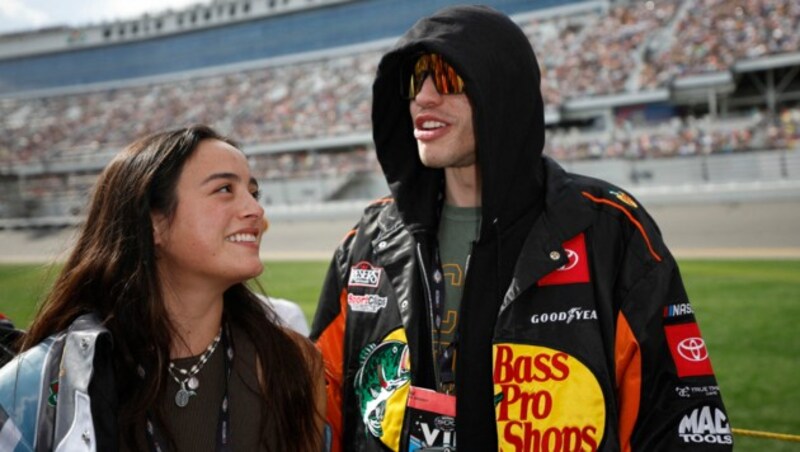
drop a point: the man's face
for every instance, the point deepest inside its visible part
(443, 128)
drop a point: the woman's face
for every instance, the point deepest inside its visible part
(215, 232)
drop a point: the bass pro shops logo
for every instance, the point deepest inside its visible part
(381, 387)
(545, 400)
(703, 425)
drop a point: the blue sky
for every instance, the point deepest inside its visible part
(19, 15)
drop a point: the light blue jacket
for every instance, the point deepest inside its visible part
(44, 392)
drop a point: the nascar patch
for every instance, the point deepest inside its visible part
(678, 310)
(364, 274)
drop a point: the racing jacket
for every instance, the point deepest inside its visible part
(574, 330)
(594, 347)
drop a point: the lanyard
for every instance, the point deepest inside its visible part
(444, 355)
(223, 441)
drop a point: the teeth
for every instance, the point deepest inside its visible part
(432, 124)
(241, 238)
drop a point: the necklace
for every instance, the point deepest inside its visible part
(223, 443)
(189, 382)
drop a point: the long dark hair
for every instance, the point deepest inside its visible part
(111, 271)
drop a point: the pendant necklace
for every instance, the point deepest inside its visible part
(223, 442)
(188, 381)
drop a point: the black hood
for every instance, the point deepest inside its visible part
(501, 77)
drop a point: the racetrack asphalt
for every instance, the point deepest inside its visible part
(748, 229)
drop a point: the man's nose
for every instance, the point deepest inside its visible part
(428, 95)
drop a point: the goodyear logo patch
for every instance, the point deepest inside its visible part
(545, 400)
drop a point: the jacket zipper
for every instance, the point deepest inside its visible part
(429, 307)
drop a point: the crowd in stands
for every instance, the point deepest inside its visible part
(305, 164)
(686, 136)
(266, 105)
(628, 47)
(723, 33)
(593, 54)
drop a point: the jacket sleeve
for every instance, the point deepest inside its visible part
(668, 396)
(328, 332)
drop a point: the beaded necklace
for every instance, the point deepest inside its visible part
(189, 383)
(156, 441)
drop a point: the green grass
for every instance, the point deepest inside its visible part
(23, 286)
(300, 282)
(748, 312)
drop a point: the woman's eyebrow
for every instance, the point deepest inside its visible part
(229, 176)
(216, 176)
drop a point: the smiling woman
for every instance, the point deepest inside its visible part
(150, 339)
(218, 216)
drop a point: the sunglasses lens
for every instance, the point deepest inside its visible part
(444, 77)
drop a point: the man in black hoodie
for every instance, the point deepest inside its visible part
(496, 302)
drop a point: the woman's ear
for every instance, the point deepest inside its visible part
(160, 227)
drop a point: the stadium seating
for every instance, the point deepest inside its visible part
(61, 138)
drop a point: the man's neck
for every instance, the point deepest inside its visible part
(463, 186)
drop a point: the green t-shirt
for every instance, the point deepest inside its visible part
(457, 230)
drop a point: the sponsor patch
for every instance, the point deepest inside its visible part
(382, 386)
(687, 392)
(573, 314)
(545, 400)
(576, 270)
(366, 303)
(625, 198)
(705, 425)
(364, 274)
(678, 310)
(688, 350)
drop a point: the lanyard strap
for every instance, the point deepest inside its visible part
(223, 439)
(444, 355)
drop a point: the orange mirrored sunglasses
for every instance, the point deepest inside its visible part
(445, 78)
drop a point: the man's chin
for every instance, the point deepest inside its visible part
(428, 159)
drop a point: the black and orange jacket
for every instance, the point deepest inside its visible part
(574, 331)
(594, 345)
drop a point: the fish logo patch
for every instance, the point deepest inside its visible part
(382, 387)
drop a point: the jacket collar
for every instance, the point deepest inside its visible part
(566, 213)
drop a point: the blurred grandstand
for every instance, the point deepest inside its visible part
(657, 96)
